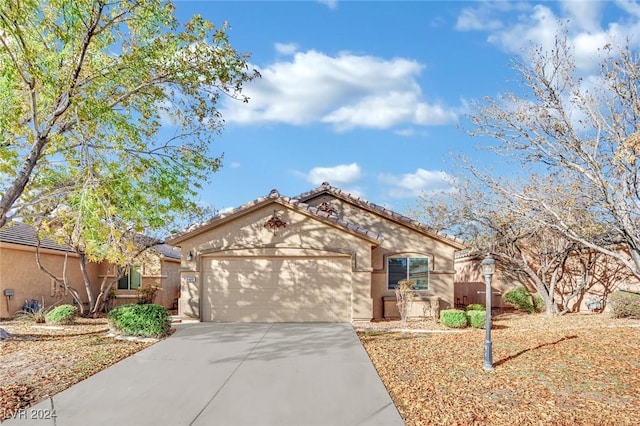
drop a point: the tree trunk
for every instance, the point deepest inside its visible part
(15, 190)
(61, 282)
(82, 259)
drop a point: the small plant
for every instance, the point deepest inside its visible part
(538, 303)
(404, 298)
(477, 318)
(624, 304)
(475, 307)
(521, 298)
(63, 314)
(148, 294)
(146, 320)
(33, 311)
(453, 318)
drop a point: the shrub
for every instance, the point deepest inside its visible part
(475, 307)
(148, 294)
(538, 303)
(33, 311)
(146, 320)
(404, 298)
(63, 314)
(477, 318)
(624, 304)
(453, 318)
(521, 298)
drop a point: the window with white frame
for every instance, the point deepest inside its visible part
(408, 268)
(131, 280)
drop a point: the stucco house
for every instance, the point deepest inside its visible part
(325, 255)
(21, 279)
(606, 276)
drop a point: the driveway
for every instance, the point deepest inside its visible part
(232, 374)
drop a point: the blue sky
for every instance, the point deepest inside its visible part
(371, 96)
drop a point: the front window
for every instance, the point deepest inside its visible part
(412, 268)
(131, 280)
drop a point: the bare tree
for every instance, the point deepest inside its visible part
(579, 139)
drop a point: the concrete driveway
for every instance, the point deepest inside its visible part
(232, 374)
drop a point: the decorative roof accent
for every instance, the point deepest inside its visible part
(326, 207)
(383, 211)
(275, 223)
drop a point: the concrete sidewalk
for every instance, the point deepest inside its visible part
(232, 374)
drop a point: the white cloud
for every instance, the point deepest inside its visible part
(584, 15)
(415, 184)
(474, 19)
(234, 165)
(346, 91)
(487, 15)
(340, 175)
(286, 48)
(538, 25)
(331, 4)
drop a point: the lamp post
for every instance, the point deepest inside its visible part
(488, 269)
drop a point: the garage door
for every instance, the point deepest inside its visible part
(277, 289)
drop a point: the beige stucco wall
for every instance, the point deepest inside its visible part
(170, 282)
(19, 272)
(470, 285)
(303, 236)
(399, 240)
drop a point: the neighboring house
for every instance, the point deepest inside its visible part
(606, 277)
(325, 255)
(21, 279)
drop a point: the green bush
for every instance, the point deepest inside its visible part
(146, 320)
(624, 304)
(63, 314)
(453, 318)
(477, 318)
(521, 298)
(538, 303)
(475, 307)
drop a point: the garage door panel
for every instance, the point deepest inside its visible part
(277, 289)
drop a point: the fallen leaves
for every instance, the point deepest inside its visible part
(575, 369)
(40, 361)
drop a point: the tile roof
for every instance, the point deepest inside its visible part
(294, 203)
(383, 211)
(22, 234)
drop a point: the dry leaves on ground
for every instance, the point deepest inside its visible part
(575, 369)
(40, 361)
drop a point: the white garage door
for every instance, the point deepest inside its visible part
(277, 289)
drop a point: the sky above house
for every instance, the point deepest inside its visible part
(373, 96)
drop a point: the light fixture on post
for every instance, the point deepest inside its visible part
(488, 269)
(275, 223)
(189, 256)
